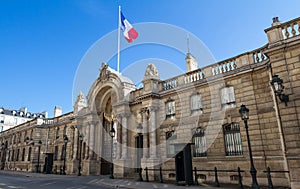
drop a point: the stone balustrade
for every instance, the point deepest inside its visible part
(222, 67)
(193, 76)
(291, 28)
(170, 84)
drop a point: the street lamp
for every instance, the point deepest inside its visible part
(39, 153)
(140, 136)
(278, 87)
(112, 135)
(244, 112)
(65, 153)
(80, 148)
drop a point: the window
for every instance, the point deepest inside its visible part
(199, 141)
(1, 119)
(171, 139)
(23, 154)
(232, 139)
(196, 104)
(227, 97)
(55, 153)
(18, 152)
(57, 133)
(9, 155)
(65, 130)
(29, 154)
(170, 109)
(62, 157)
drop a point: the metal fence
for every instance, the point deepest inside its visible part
(216, 171)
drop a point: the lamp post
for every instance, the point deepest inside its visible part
(65, 153)
(112, 135)
(139, 131)
(244, 112)
(278, 87)
(39, 154)
(80, 150)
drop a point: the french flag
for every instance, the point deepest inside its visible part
(129, 32)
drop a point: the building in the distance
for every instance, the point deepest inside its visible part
(191, 120)
(10, 118)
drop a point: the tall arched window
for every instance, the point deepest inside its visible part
(23, 154)
(29, 154)
(199, 141)
(232, 139)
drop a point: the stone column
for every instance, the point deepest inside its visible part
(75, 143)
(91, 140)
(152, 132)
(117, 138)
(87, 142)
(124, 135)
(145, 133)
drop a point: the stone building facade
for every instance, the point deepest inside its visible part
(194, 117)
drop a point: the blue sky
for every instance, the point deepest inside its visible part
(42, 42)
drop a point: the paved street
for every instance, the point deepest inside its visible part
(63, 182)
(14, 179)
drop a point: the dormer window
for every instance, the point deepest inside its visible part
(28, 114)
(14, 112)
(1, 111)
(1, 119)
(34, 116)
(21, 113)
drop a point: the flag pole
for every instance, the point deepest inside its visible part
(119, 32)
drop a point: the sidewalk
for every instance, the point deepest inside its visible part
(30, 174)
(114, 183)
(132, 184)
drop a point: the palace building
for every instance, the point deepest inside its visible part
(186, 122)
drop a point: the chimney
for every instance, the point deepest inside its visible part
(57, 111)
(45, 113)
(23, 109)
(276, 21)
(191, 62)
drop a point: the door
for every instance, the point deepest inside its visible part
(139, 150)
(183, 164)
(48, 163)
(179, 167)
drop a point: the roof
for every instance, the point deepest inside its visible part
(20, 113)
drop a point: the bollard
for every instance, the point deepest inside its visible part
(217, 184)
(240, 179)
(160, 175)
(269, 178)
(196, 178)
(147, 176)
